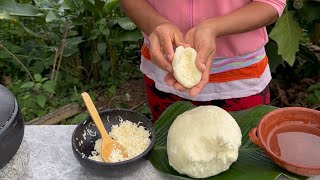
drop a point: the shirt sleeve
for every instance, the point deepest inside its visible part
(279, 5)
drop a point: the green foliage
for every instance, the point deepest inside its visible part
(299, 16)
(314, 96)
(11, 8)
(67, 47)
(41, 89)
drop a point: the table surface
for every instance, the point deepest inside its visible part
(51, 157)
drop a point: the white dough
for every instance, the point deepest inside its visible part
(184, 67)
(203, 142)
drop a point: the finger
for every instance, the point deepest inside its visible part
(169, 79)
(156, 55)
(179, 40)
(198, 88)
(205, 54)
(179, 87)
(189, 37)
(166, 47)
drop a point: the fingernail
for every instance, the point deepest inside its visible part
(203, 67)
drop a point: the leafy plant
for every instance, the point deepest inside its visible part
(35, 97)
(314, 96)
(77, 44)
(43, 87)
(298, 21)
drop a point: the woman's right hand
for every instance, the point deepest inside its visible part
(163, 39)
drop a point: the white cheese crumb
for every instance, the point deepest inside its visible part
(134, 138)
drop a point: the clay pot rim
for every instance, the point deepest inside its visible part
(263, 144)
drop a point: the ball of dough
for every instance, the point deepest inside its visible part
(184, 67)
(203, 142)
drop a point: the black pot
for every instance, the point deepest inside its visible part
(11, 126)
(83, 143)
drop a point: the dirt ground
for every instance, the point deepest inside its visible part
(130, 95)
(292, 93)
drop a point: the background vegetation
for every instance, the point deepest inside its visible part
(52, 50)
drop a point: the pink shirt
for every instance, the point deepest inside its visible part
(189, 13)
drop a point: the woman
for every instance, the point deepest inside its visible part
(229, 37)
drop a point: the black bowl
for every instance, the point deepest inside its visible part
(85, 135)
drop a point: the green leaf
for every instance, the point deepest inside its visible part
(112, 90)
(16, 9)
(44, 3)
(23, 29)
(20, 28)
(37, 67)
(313, 99)
(64, 6)
(126, 24)
(134, 35)
(44, 79)
(252, 163)
(106, 32)
(38, 86)
(4, 15)
(287, 33)
(314, 87)
(27, 85)
(37, 77)
(96, 9)
(110, 5)
(4, 55)
(76, 5)
(102, 47)
(49, 86)
(51, 17)
(78, 118)
(317, 93)
(12, 48)
(71, 46)
(41, 100)
(92, 2)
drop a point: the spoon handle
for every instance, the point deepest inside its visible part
(95, 115)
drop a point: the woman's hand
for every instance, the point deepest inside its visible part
(164, 38)
(202, 39)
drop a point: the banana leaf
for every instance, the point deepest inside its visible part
(252, 163)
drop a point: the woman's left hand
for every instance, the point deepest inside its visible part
(202, 39)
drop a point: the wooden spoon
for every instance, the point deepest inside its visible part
(108, 144)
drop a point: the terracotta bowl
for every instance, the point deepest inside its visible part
(290, 137)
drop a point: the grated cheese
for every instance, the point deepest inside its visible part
(134, 138)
